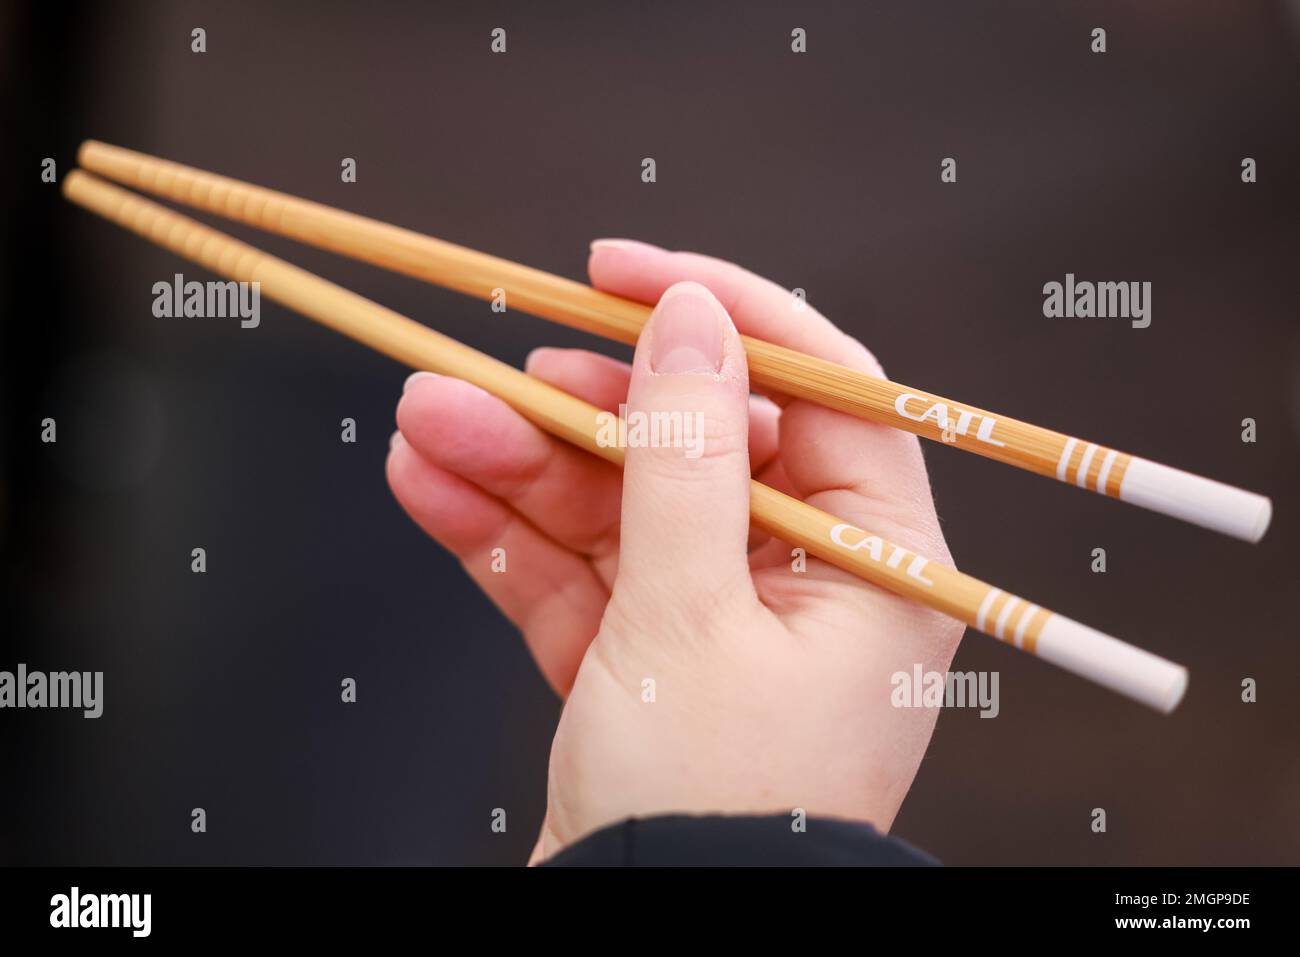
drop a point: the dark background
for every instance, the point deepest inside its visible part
(818, 170)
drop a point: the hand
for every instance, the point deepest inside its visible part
(770, 686)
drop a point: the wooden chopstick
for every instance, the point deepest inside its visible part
(1121, 667)
(1087, 465)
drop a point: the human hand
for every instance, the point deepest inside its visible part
(771, 686)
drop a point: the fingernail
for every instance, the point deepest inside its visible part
(627, 244)
(415, 377)
(394, 439)
(686, 334)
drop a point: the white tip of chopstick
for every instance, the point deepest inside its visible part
(1137, 674)
(1198, 500)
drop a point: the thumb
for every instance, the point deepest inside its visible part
(686, 472)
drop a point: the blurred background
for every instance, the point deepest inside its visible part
(820, 171)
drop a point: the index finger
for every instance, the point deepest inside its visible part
(759, 307)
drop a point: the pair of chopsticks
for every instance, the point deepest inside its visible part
(1087, 465)
(1089, 653)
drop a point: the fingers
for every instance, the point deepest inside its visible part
(570, 495)
(759, 307)
(550, 593)
(686, 474)
(863, 472)
(590, 376)
(603, 382)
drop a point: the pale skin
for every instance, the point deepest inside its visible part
(771, 685)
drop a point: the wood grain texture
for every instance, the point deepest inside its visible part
(824, 536)
(771, 367)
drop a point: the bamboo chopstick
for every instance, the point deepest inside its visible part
(1090, 466)
(1131, 671)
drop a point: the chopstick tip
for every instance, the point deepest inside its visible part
(1263, 518)
(1174, 695)
(71, 182)
(86, 147)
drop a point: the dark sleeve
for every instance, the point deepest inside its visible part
(676, 841)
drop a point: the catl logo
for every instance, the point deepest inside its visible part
(938, 411)
(875, 547)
